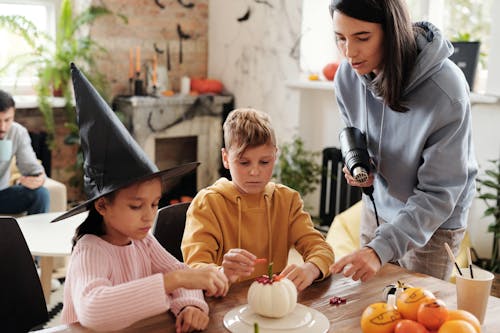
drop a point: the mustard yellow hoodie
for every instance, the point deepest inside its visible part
(267, 224)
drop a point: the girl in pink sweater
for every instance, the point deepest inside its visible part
(120, 274)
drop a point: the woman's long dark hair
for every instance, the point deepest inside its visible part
(93, 224)
(400, 48)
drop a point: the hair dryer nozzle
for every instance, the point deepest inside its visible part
(360, 174)
(355, 153)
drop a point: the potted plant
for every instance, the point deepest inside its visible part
(489, 192)
(51, 58)
(297, 167)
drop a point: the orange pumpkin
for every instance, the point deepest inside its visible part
(432, 313)
(379, 318)
(467, 316)
(409, 326)
(409, 301)
(204, 86)
(456, 326)
(329, 70)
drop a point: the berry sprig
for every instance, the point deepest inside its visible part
(270, 277)
(335, 300)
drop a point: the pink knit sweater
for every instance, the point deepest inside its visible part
(110, 287)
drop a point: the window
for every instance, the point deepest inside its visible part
(42, 14)
(464, 19)
(317, 46)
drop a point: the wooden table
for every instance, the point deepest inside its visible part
(49, 240)
(343, 318)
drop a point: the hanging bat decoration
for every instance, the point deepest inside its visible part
(169, 65)
(264, 2)
(159, 4)
(157, 49)
(185, 5)
(182, 35)
(245, 17)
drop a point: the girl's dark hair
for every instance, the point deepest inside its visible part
(93, 224)
(400, 47)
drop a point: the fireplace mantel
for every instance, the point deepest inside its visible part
(151, 118)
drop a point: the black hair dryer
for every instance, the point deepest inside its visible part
(355, 154)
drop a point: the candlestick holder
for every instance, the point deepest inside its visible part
(131, 86)
(138, 88)
(138, 85)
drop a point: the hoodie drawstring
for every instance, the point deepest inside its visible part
(269, 229)
(238, 199)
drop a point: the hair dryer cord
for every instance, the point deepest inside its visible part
(374, 208)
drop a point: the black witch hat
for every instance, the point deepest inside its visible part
(112, 158)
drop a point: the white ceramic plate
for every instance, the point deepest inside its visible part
(301, 320)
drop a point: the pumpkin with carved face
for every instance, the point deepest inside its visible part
(379, 318)
(410, 299)
(273, 296)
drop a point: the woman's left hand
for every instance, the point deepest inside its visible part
(191, 319)
(353, 182)
(361, 264)
(302, 276)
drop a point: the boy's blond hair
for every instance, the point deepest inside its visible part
(247, 127)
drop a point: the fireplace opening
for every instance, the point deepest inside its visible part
(170, 152)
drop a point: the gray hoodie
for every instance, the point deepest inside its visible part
(424, 158)
(25, 156)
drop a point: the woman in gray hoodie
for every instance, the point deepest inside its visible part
(397, 85)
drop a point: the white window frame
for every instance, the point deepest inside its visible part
(430, 10)
(24, 85)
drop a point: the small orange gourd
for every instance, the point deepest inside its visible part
(329, 70)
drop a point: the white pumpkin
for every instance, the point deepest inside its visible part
(275, 299)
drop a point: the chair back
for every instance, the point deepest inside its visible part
(22, 305)
(336, 195)
(169, 227)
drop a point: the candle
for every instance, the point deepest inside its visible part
(138, 59)
(155, 64)
(131, 64)
(185, 85)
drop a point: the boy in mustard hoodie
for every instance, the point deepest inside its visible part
(232, 223)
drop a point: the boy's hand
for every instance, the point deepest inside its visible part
(238, 262)
(210, 279)
(191, 319)
(302, 276)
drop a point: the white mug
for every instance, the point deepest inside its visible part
(5, 150)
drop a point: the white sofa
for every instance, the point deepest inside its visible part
(57, 190)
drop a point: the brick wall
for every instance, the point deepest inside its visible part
(63, 156)
(148, 24)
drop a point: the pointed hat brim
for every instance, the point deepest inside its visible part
(170, 178)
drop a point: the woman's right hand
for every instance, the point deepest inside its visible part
(210, 279)
(353, 182)
(238, 262)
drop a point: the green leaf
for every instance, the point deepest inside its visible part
(495, 228)
(297, 167)
(488, 196)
